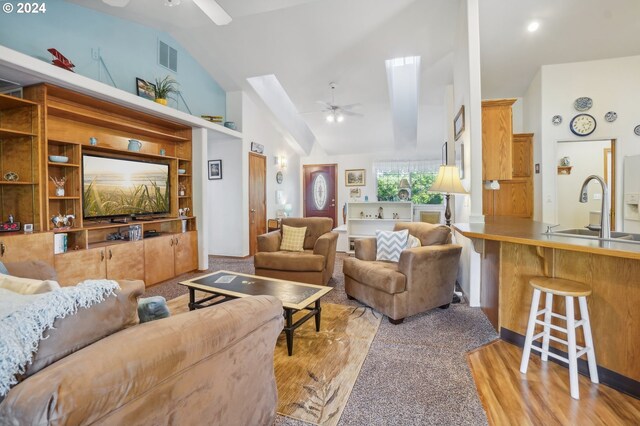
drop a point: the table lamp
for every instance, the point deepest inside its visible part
(448, 182)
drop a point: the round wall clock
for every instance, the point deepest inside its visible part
(636, 130)
(279, 177)
(582, 125)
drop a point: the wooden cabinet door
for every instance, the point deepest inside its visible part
(38, 246)
(513, 199)
(186, 252)
(497, 139)
(522, 155)
(158, 259)
(125, 261)
(76, 266)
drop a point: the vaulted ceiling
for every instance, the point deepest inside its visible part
(306, 44)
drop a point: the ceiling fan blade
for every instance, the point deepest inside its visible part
(352, 114)
(327, 105)
(350, 106)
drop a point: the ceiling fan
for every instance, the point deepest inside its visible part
(334, 112)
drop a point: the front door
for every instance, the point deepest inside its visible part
(320, 191)
(257, 199)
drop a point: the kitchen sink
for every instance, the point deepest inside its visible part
(587, 233)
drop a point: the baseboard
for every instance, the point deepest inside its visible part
(610, 378)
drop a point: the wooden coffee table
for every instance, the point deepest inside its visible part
(226, 285)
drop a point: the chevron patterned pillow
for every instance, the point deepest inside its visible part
(390, 244)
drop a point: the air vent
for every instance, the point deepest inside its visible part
(167, 56)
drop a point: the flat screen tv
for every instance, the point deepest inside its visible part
(115, 187)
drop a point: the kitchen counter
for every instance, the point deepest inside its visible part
(529, 232)
(514, 250)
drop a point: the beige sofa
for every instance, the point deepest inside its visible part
(314, 265)
(423, 279)
(209, 366)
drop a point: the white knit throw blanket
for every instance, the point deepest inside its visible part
(22, 327)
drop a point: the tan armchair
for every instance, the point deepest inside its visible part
(314, 265)
(423, 279)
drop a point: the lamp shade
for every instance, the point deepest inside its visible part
(404, 184)
(448, 181)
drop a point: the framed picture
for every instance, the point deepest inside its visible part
(145, 89)
(458, 123)
(354, 177)
(257, 148)
(215, 169)
(355, 193)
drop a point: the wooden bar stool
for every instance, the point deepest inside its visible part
(568, 289)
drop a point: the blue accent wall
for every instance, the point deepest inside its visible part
(128, 49)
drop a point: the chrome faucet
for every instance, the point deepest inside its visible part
(605, 227)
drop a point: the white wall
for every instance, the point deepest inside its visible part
(466, 83)
(228, 198)
(613, 84)
(532, 123)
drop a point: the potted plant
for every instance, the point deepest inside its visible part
(164, 88)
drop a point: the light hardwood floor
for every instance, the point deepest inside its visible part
(541, 397)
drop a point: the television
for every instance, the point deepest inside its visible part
(116, 187)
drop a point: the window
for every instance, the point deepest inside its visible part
(407, 180)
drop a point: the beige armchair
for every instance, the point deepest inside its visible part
(423, 279)
(314, 265)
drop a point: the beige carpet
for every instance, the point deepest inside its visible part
(315, 383)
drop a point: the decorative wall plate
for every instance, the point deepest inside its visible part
(582, 124)
(11, 176)
(610, 117)
(637, 130)
(583, 104)
(556, 120)
(279, 177)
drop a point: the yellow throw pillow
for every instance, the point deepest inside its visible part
(27, 285)
(292, 238)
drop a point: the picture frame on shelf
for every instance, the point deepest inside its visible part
(215, 169)
(355, 177)
(355, 193)
(458, 124)
(145, 89)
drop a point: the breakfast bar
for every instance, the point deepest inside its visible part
(514, 250)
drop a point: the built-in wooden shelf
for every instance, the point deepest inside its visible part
(184, 175)
(51, 163)
(6, 182)
(8, 133)
(184, 196)
(94, 118)
(98, 149)
(53, 197)
(9, 102)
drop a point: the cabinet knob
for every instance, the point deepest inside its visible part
(177, 240)
(101, 255)
(172, 242)
(2, 249)
(110, 254)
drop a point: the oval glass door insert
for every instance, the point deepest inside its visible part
(320, 192)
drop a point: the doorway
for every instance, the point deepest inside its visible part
(576, 160)
(320, 191)
(257, 199)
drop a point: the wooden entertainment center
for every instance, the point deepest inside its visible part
(57, 121)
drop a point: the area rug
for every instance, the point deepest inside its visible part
(315, 383)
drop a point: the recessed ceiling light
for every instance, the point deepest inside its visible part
(533, 26)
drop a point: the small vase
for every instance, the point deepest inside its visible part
(161, 101)
(59, 191)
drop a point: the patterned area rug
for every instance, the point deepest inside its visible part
(315, 383)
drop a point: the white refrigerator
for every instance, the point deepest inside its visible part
(631, 191)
